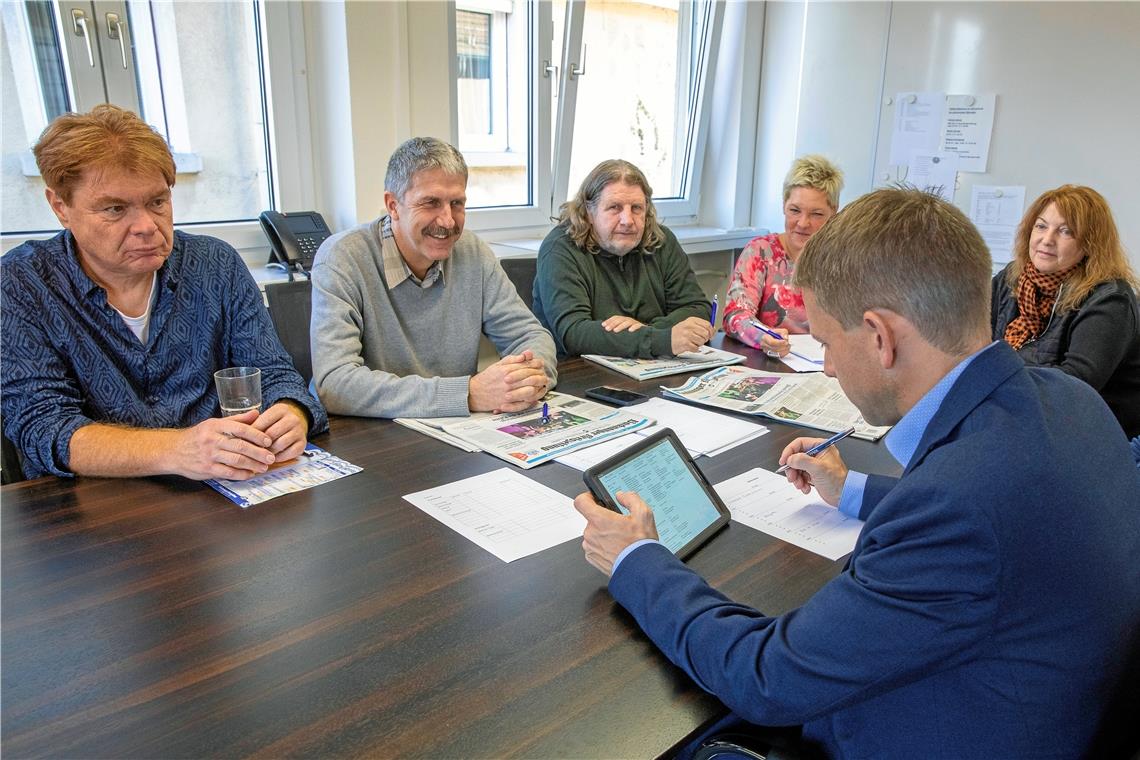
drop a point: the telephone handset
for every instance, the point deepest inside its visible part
(294, 238)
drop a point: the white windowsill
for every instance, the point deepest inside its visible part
(693, 239)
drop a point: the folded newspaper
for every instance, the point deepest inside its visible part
(526, 438)
(813, 400)
(705, 357)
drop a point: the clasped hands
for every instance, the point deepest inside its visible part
(241, 446)
(687, 335)
(608, 533)
(511, 384)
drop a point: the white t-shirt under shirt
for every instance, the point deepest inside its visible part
(140, 325)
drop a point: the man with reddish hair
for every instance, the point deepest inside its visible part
(113, 328)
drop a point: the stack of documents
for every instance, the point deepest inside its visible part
(813, 400)
(700, 431)
(527, 438)
(706, 357)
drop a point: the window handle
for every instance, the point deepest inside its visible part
(115, 31)
(79, 25)
(575, 70)
(549, 70)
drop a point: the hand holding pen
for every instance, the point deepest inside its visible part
(774, 340)
(822, 467)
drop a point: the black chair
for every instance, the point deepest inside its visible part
(290, 308)
(11, 464)
(521, 270)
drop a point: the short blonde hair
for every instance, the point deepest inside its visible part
(575, 213)
(818, 173)
(106, 137)
(1090, 219)
(907, 251)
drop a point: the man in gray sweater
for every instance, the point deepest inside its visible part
(399, 305)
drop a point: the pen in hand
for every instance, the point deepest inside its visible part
(821, 447)
(712, 319)
(766, 330)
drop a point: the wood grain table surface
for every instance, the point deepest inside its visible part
(154, 618)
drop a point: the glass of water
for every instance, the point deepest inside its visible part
(239, 389)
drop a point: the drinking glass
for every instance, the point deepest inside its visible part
(239, 389)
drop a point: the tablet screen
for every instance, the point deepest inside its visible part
(685, 507)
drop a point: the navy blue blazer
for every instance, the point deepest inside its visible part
(985, 610)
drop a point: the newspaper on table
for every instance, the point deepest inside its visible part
(706, 357)
(812, 400)
(314, 467)
(527, 439)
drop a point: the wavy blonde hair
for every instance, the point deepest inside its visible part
(107, 136)
(818, 173)
(1087, 214)
(574, 214)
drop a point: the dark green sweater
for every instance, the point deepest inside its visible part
(575, 291)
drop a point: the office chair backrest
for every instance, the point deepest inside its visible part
(521, 271)
(290, 308)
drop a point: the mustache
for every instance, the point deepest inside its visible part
(435, 229)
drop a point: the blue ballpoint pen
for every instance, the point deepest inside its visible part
(712, 319)
(766, 330)
(545, 412)
(821, 447)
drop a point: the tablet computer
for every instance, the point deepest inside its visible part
(685, 507)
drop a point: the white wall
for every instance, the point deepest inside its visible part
(1067, 76)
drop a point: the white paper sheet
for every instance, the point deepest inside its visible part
(767, 502)
(806, 354)
(503, 511)
(700, 432)
(996, 212)
(969, 126)
(314, 467)
(917, 124)
(934, 173)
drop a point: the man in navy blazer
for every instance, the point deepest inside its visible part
(993, 596)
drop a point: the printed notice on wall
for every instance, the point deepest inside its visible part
(968, 128)
(935, 173)
(996, 211)
(918, 121)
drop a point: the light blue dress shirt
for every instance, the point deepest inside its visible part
(905, 435)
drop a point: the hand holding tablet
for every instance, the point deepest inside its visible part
(685, 508)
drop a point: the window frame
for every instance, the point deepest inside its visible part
(292, 183)
(539, 85)
(692, 139)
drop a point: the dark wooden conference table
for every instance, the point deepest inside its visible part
(154, 618)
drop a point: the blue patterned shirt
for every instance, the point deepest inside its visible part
(69, 360)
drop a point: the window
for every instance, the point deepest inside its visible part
(623, 80)
(193, 70)
(493, 84)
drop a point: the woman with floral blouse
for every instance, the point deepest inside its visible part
(761, 287)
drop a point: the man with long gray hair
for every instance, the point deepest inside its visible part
(612, 280)
(399, 305)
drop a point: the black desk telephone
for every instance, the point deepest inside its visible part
(294, 238)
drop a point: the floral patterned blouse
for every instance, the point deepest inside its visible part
(761, 289)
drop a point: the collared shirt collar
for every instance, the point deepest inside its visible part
(396, 270)
(903, 439)
(87, 287)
